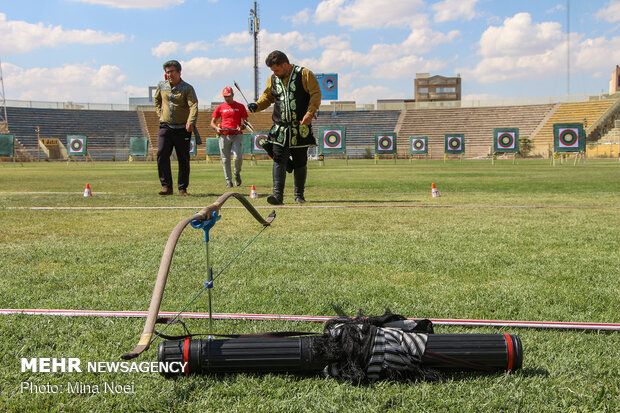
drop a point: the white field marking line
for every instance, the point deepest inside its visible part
(50, 208)
(242, 316)
(48, 192)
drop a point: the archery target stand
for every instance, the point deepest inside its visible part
(514, 158)
(505, 140)
(454, 144)
(77, 146)
(333, 140)
(568, 138)
(418, 147)
(8, 147)
(385, 144)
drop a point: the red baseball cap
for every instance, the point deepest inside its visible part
(227, 91)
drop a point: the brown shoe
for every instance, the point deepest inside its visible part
(183, 192)
(165, 191)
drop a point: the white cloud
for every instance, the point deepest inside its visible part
(204, 68)
(135, 91)
(169, 48)
(423, 39)
(193, 46)
(557, 7)
(76, 82)
(235, 39)
(165, 49)
(272, 41)
(21, 37)
(370, 13)
(135, 4)
(406, 67)
(521, 49)
(510, 67)
(518, 36)
(337, 54)
(448, 10)
(301, 17)
(286, 41)
(598, 54)
(611, 13)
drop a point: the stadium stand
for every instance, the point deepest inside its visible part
(587, 113)
(108, 131)
(260, 121)
(606, 129)
(476, 123)
(361, 127)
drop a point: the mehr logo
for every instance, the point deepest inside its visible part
(51, 365)
(71, 365)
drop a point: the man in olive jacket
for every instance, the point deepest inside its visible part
(177, 107)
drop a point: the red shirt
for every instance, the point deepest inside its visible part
(231, 116)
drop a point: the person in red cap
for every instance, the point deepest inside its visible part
(230, 115)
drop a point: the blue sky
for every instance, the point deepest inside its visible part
(109, 50)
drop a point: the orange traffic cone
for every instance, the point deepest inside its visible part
(87, 191)
(434, 191)
(253, 193)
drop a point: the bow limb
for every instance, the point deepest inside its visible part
(166, 260)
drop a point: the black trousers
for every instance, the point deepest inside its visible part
(178, 139)
(280, 154)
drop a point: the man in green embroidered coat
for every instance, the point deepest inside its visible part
(296, 96)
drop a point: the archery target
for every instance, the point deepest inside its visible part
(506, 140)
(332, 139)
(418, 145)
(76, 145)
(568, 138)
(455, 143)
(259, 142)
(385, 143)
(191, 146)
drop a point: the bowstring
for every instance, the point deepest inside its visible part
(206, 286)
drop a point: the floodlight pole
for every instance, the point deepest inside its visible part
(3, 117)
(568, 47)
(254, 28)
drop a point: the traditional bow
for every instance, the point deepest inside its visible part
(205, 214)
(249, 125)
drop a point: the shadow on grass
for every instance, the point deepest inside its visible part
(533, 372)
(444, 376)
(219, 194)
(365, 201)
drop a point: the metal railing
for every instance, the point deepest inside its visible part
(386, 104)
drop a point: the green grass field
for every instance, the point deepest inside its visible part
(511, 242)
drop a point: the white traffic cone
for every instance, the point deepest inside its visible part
(253, 193)
(434, 191)
(87, 191)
